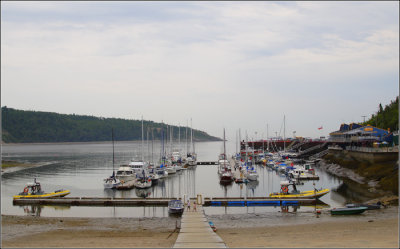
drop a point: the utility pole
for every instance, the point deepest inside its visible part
(364, 118)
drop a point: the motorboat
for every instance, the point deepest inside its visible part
(34, 190)
(138, 166)
(125, 173)
(348, 210)
(285, 194)
(175, 207)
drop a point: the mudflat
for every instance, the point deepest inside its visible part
(374, 228)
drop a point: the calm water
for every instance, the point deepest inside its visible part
(81, 169)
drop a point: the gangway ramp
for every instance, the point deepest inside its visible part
(195, 232)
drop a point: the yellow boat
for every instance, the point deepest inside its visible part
(34, 190)
(300, 195)
(284, 193)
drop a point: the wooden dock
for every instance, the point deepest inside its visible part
(195, 232)
(216, 201)
(94, 201)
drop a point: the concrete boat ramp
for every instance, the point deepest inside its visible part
(195, 232)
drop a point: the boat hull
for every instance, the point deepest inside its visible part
(347, 211)
(61, 193)
(301, 195)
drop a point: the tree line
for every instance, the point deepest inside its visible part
(386, 118)
(20, 126)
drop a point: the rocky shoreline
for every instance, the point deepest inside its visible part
(367, 189)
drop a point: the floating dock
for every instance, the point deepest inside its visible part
(99, 201)
(207, 163)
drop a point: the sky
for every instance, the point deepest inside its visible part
(233, 65)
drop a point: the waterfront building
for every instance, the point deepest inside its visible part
(355, 133)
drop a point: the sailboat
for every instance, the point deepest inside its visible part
(143, 179)
(251, 173)
(191, 158)
(224, 169)
(161, 169)
(112, 181)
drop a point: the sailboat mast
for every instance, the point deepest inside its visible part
(267, 138)
(284, 134)
(191, 134)
(187, 144)
(152, 146)
(142, 141)
(170, 139)
(162, 147)
(179, 137)
(240, 141)
(147, 141)
(224, 146)
(112, 137)
(236, 142)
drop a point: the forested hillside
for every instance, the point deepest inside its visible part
(20, 126)
(387, 117)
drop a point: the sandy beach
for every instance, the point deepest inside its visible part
(374, 228)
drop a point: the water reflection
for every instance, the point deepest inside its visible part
(36, 210)
(144, 193)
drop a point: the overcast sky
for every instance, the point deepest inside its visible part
(223, 64)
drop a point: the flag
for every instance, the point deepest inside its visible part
(320, 128)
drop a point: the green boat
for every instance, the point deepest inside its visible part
(348, 210)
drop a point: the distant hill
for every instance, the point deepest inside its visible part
(19, 126)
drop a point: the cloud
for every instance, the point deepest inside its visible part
(236, 64)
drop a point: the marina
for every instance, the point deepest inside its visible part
(67, 163)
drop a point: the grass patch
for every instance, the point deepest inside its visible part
(9, 164)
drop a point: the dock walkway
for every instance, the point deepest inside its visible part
(195, 232)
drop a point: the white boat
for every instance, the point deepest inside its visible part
(251, 174)
(176, 157)
(190, 160)
(138, 166)
(301, 173)
(177, 166)
(125, 174)
(170, 169)
(154, 178)
(161, 171)
(143, 182)
(111, 182)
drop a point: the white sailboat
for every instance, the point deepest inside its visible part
(224, 169)
(111, 182)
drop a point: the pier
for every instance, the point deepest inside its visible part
(195, 232)
(215, 201)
